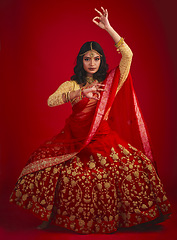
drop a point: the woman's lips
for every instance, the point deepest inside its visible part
(92, 69)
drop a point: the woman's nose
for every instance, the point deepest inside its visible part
(92, 61)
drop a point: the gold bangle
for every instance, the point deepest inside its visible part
(69, 99)
(66, 97)
(80, 93)
(119, 43)
(73, 100)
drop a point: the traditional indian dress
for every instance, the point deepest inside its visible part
(98, 173)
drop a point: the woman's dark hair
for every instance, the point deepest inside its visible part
(80, 73)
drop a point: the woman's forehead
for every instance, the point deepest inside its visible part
(91, 53)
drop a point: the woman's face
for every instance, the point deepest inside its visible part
(91, 62)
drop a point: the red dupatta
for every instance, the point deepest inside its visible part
(124, 117)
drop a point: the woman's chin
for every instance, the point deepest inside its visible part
(92, 71)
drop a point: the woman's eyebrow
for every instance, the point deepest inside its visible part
(94, 57)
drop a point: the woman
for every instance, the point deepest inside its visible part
(97, 174)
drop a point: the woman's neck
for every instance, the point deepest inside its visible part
(89, 75)
(90, 79)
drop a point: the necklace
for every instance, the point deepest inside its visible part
(90, 80)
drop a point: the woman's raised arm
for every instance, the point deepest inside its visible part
(124, 49)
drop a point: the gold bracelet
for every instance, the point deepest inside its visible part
(66, 97)
(120, 42)
(69, 99)
(73, 100)
(80, 94)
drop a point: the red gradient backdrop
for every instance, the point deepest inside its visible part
(39, 44)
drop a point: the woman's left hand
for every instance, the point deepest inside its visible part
(93, 91)
(104, 22)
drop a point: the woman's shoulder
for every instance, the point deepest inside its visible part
(70, 84)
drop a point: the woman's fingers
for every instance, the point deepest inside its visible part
(95, 20)
(94, 89)
(104, 11)
(96, 95)
(98, 12)
(100, 84)
(100, 89)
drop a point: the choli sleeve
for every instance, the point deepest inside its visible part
(124, 67)
(56, 98)
(125, 63)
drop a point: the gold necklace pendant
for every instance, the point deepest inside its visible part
(90, 80)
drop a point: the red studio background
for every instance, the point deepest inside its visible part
(39, 44)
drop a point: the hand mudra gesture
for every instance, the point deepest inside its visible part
(103, 19)
(93, 92)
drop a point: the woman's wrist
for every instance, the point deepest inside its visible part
(83, 92)
(74, 94)
(115, 36)
(109, 29)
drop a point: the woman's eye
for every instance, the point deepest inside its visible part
(97, 59)
(86, 59)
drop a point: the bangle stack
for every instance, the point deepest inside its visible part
(67, 95)
(120, 42)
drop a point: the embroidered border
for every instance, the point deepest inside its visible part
(102, 105)
(142, 130)
(44, 163)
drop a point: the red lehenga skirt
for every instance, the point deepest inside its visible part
(96, 186)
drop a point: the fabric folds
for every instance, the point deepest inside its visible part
(98, 173)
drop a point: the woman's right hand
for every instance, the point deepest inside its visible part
(93, 91)
(103, 19)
